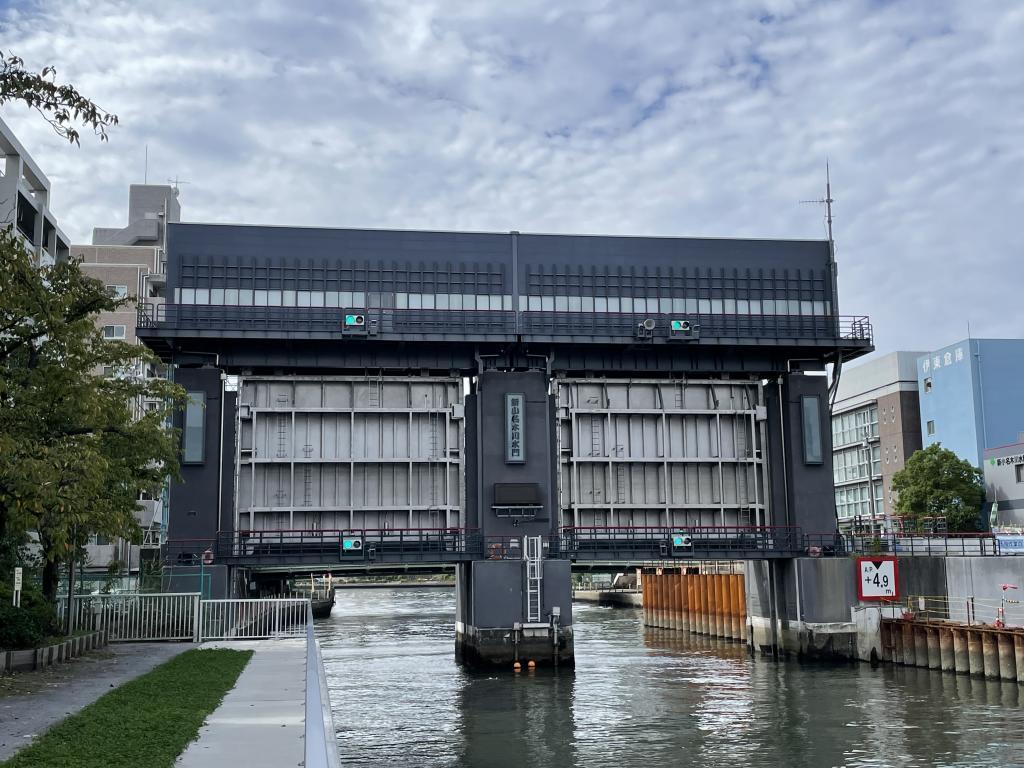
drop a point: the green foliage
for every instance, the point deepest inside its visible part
(936, 483)
(29, 625)
(60, 105)
(75, 450)
(146, 723)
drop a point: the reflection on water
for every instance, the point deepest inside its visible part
(639, 697)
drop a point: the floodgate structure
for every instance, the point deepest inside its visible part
(510, 404)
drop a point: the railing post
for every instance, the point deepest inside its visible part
(197, 619)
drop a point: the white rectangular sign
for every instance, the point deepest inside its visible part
(877, 578)
(515, 428)
(17, 579)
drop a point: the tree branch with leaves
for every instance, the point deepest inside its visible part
(60, 104)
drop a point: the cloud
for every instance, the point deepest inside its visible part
(671, 119)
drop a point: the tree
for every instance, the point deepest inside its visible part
(60, 105)
(75, 452)
(936, 483)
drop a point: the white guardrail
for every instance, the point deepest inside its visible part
(185, 616)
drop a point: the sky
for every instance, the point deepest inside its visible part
(643, 118)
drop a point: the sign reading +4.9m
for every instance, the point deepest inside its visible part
(877, 578)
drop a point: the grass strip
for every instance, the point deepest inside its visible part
(145, 723)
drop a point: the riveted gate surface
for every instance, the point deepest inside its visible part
(684, 452)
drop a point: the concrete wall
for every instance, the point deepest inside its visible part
(981, 578)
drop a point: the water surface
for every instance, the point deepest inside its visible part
(639, 698)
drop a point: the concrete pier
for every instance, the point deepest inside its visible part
(909, 646)
(990, 651)
(946, 653)
(934, 651)
(976, 655)
(921, 645)
(1007, 658)
(961, 658)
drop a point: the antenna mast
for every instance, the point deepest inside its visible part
(827, 201)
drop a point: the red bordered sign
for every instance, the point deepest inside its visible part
(878, 578)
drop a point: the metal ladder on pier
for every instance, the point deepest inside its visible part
(534, 576)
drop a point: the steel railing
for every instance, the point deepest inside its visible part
(137, 617)
(186, 616)
(653, 542)
(483, 322)
(253, 619)
(923, 544)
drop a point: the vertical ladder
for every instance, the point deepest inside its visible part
(534, 576)
(595, 436)
(373, 392)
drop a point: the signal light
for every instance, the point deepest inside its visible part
(681, 541)
(352, 545)
(355, 321)
(681, 325)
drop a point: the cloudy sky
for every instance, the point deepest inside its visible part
(667, 118)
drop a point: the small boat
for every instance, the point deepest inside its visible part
(322, 603)
(320, 592)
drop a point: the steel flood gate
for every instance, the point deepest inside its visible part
(349, 452)
(669, 452)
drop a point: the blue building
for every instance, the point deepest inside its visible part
(970, 395)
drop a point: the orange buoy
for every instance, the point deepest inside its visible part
(531, 664)
(517, 666)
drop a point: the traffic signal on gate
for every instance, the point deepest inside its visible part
(681, 542)
(682, 329)
(351, 546)
(355, 321)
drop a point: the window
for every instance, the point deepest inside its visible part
(1020, 473)
(928, 384)
(113, 331)
(117, 291)
(810, 407)
(931, 427)
(194, 435)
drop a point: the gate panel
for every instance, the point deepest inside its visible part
(661, 452)
(349, 452)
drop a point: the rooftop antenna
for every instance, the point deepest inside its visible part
(175, 183)
(145, 172)
(827, 200)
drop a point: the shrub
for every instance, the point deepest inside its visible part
(29, 625)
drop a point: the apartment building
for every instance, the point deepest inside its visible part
(25, 201)
(875, 429)
(130, 262)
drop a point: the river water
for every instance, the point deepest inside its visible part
(639, 697)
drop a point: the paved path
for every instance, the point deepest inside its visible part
(31, 702)
(262, 720)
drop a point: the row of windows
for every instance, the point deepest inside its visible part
(863, 500)
(491, 278)
(854, 426)
(630, 305)
(856, 464)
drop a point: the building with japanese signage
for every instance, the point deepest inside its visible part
(875, 428)
(970, 396)
(1004, 492)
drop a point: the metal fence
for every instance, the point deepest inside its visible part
(253, 619)
(186, 616)
(137, 617)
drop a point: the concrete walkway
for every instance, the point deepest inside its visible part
(32, 702)
(262, 720)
